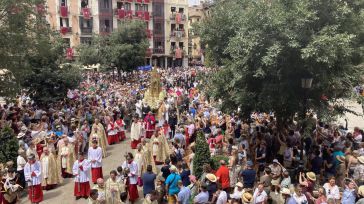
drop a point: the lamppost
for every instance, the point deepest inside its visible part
(306, 84)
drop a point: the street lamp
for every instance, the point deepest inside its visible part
(306, 84)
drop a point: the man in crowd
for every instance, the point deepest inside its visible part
(50, 172)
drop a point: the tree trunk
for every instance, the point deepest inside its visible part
(119, 74)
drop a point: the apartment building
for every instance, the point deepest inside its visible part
(78, 20)
(196, 51)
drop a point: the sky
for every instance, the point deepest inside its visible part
(193, 2)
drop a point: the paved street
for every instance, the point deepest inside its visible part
(64, 194)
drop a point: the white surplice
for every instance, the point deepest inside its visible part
(95, 154)
(29, 169)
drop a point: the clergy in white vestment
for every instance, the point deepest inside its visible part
(81, 171)
(131, 169)
(95, 157)
(32, 174)
(135, 133)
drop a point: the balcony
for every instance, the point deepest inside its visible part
(105, 10)
(178, 17)
(159, 50)
(142, 15)
(85, 12)
(63, 11)
(86, 30)
(178, 34)
(120, 13)
(139, 1)
(65, 30)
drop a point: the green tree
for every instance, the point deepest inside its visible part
(125, 48)
(202, 154)
(9, 145)
(266, 47)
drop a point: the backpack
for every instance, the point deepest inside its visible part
(179, 155)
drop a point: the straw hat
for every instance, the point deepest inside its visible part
(20, 135)
(247, 197)
(211, 177)
(361, 190)
(340, 158)
(310, 175)
(285, 191)
(361, 159)
(239, 184)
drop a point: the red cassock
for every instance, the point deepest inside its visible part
(35, 193)
(96, 173)
(149, 121)
(82, 189)
(112, 134)
(121, 125)
(134, 143)
(133, 192)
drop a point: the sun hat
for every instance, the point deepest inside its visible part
(361, 190)
(239, 184)
(275, 161)
(361, 159)
(211, 177)
(310, 175)
(247, 197)
(20, 135)
(285, 191)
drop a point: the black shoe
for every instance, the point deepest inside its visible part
(78, 197)
(85, 197)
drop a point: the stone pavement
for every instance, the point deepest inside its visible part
(63, 194)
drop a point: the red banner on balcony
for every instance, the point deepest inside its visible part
(64, 11)
(139, 1)
(131, 1)
(178, 18)
(178, 53)
(69, 53)
(146, 16)
(146, 1)
(139, 14)
(129, 14)
(64, 30)
(40, 8)
(121, 13)
(86, 13)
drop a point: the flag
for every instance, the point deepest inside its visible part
(86, 13)
(121, 13)
(64, 11)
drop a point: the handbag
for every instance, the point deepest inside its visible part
(140, 181)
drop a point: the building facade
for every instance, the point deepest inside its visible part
(196, 52)
(78, 20)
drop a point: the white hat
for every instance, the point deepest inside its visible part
(20, 135)
(285, 191)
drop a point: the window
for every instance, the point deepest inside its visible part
(158, 28)
(84, 3)
(180, 45)
(67, 42)
(145, 7)
(106, 4)
(173, 45)
(180, 10)
(173, 9)
(87, 23)
(180, 27)
(198, 19)
(119, 5)
(63, 2)
(105, 25)
(85, 40)
(173, 27)
(157, 9)
(64, 22)
(127, 6)
(138, 7)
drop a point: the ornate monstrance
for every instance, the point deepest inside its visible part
(154, 94)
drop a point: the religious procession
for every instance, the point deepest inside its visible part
(165, 125)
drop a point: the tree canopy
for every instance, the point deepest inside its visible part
(266, 47)
(125, 47)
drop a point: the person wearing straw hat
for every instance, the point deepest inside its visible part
(288, 199)
(211, 184)
(32, 173)
(247, 198)
(308, 183)
(172, 184)
(360, 195)
(359, 171)
(238, 191)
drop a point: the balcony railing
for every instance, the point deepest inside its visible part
(63, 11)
(180, 17)
(178, 34)
(87, 30)
(158, 50)
(105, 10)
(65, 30)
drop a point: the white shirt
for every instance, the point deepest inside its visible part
(29, 169)
(222, 198)
(332, 192)
(133, 175)
(20, 161)
(259, 197)
(300, 199)
(95, 154)
(81, 176)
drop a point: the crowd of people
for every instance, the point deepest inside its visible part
(260, 161)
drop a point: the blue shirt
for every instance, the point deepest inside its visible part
(248, 178)
(202, 197)
(348, 197)
(291, 201)
(184, 195)
(335, 154)
(148, 182)
(172, 181)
